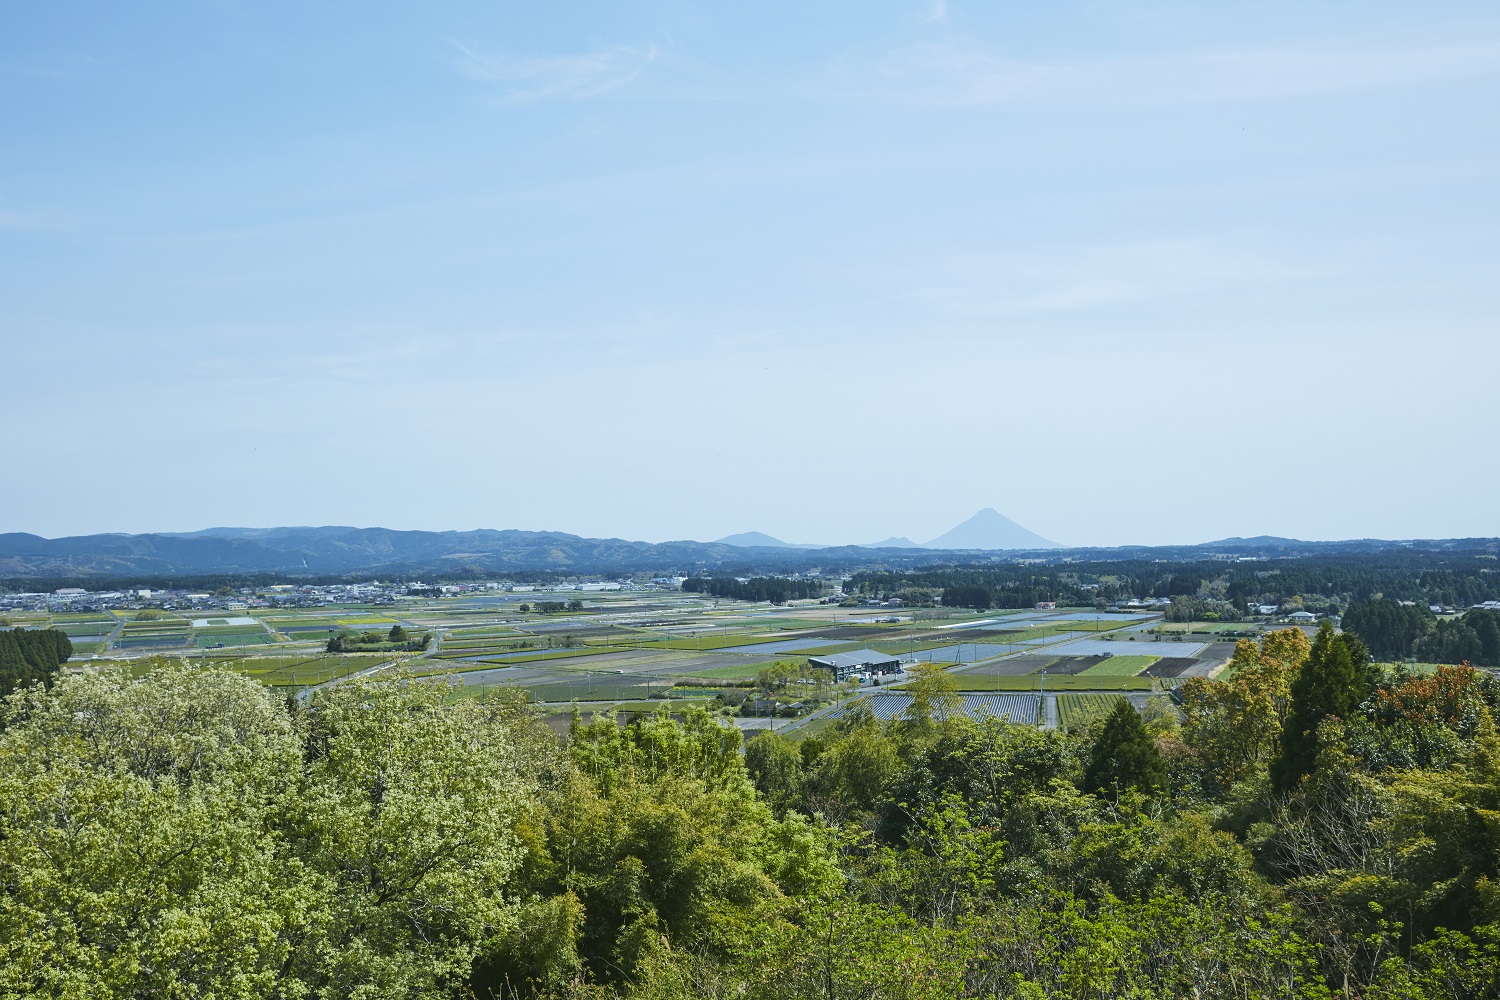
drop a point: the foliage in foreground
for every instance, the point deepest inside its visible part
(188, 835)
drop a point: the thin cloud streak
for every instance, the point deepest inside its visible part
(1090, 279)
(937, 10)
(956, 75)
(569, 77)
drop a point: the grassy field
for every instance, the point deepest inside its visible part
(1208, 628)
(208, 638)
(1120, 666)
(738, 672)
(297, 671)
(715, 641)
(1102, 625)
(1422, 669)
(591, 689)
(1057, 682)
(1077, 711)
(541, 655)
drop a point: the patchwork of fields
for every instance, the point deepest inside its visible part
(669, 650)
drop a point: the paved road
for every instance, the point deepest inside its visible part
(114, 634)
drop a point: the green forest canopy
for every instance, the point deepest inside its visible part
(189, 834)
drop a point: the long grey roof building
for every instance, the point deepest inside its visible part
(857, 661)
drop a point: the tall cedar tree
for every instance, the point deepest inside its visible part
(29, 655)
(1333, 681)
(1124, 756)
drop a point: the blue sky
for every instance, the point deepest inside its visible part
(1127, 272)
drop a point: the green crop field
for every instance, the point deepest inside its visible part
(1420, 669)
(553, 654)
(1102, 625)
(1120, 666)
(592, 689)
(713, 641)
(738, 672)
(1055, 682)
(207, 639)
(85, 630)
(296, 671)
(1077, 711)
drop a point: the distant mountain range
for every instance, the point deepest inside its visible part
(30, 561)
(759, 540)
(987, 531)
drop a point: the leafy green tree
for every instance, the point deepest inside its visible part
(934, 695)
(1331, 683)
(396, 634)
(775, 765)
(405, 826)
(190, 837)
(1124, 756)
(851, 775)
(141, 860)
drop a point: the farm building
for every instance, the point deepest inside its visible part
(859, 661)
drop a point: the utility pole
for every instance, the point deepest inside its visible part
(1042, 704)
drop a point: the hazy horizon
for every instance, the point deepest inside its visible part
(1130, 274)
(920, 543)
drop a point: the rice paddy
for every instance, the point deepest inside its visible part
(643, 650)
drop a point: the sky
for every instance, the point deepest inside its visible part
(1128, 272)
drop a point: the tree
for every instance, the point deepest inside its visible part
(189, 836)
(775, 765)
(1285, 650)
(141, 861)
(1330, 683)
(1124, 756)
(396, 634)
(1233, 725)
(934, 695)
(31, 655)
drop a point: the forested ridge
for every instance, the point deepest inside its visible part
(1449, 579)
(1313, 825)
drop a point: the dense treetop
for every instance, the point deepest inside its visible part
(1310, 825)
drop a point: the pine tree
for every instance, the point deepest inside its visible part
(1124, 755)
(1335, 679)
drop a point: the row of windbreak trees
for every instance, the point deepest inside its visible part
(1313, 828)
(1396, 631)
(29, 656)
(776, 589)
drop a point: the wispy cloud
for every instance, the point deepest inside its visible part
(955, 74)
(937, 10)
(59, 65)
(1083, 279)
(569, 77)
